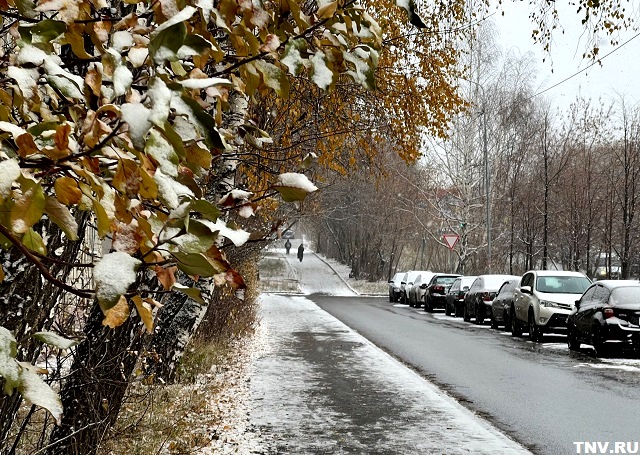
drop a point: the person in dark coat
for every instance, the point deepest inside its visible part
(287, 246)
(300, 252)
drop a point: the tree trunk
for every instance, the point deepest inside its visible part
(26, 304)
(95, 388)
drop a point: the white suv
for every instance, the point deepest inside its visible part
(544, 299)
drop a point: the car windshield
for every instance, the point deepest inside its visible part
(446, 280)
(562, 284)
(627, 295)
(509, 287)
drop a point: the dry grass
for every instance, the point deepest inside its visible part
(187, 416)
(181, 418)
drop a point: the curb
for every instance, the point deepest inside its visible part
(336, 272)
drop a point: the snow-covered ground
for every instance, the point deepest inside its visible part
(315, 386)
(322, 388)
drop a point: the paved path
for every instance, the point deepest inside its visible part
(320, 388)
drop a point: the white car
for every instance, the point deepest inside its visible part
(544, 299)
(419, 288)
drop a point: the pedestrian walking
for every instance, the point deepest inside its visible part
(287, 246)
(300, 252)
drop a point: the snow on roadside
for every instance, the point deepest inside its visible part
(304, 402)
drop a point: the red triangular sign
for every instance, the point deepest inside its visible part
(451, 240)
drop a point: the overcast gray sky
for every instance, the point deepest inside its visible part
(619, 73)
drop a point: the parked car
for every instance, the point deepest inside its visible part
(394, 286)
(419, 287)
(501, 305)
(406, 283)
(543, 301)
(608, 311)
(455, 297)
(477, 302)
(435, 295)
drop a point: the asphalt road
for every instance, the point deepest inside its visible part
(542, 395)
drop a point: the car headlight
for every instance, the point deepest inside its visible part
(549, 304)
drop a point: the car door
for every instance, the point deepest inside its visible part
(415, 289)
(521, 301)
(452, 295)
(585, 312)
(470, 298)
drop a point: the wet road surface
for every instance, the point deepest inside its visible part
(320, 388)
(543, 395)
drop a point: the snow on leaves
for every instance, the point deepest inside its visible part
(294, 187)
(24, 377)
(124, 117)
(113, 275)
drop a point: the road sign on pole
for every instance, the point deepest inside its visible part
(451, 240)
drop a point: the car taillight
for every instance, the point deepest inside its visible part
(608, 313)
(486, 296)
(438, 289)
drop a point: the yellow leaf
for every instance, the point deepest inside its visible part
(104, 224)
(93, 79)
(127, 178)
(74, 37)
(1, 274)
(60, 215)
(145, 310)
(116, 315)
(148, 186)
(67, 191)
(166, 276)
(327, 10)
(34, 242)
(28, 209)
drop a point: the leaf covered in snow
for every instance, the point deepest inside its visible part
(38, 392)
(53, 339)
(8, 367)
(294, 187)
(113, 275)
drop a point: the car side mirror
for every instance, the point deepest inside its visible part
(526, 290)
(423, 286)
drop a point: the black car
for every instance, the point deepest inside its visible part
(501, 305)
(394, 287)
(608, 311)
(455, 297)
(437, 289)
(477, 302)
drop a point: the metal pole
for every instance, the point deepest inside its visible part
(486, 177)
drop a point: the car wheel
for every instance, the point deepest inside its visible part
(457, 311)
(447, 309)
(516, 330)
(599, 341)
(535, 331)
(390, 297)
(465, 314)
(494, 323)
(427, 305)
(480, 314)
(572, 339)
